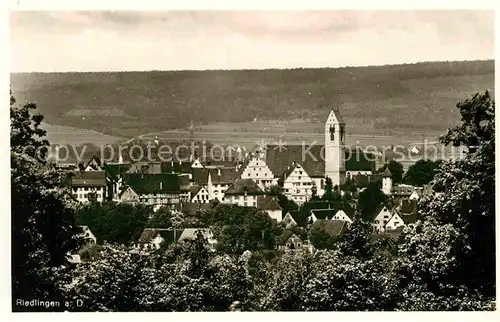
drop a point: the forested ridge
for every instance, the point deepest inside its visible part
(128, 104)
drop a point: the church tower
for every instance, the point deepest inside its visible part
(335, 147)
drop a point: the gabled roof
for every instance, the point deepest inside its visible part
(408, 206)
(331, 227)
(387, 173)
(335, 116)
(328, 207)
(218, 176)
(114, 170)
(244, 186)
(148, 234)
(94, 159)
(267, 203)
(176, 167)
(172, 235)
(145, 167)
(402, 190)
(312, 159)
(280, 157)
(88, 178)
(153, 183)
(285, 236)
(289, 217)
(324, 213)
(194, 190)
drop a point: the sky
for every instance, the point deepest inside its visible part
(60, 41)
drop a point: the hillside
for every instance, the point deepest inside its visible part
(417, 97)
(62, 135)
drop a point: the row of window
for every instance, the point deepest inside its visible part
(87, 189)
(85, 195)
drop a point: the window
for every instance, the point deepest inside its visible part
(245, 204)
(386, 216)
(385, 221)
(396, 223)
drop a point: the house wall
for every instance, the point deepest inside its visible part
(241, 200)
(298, 185)
(201, 197)
(81, 193)
(350, 174)
(395, 222)
(258, 171)
(381, 220)
(275, 214)
(341, 215)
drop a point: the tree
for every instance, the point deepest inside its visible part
(396, 169)
(314, 194)
(369, 200)
(43, 225)
(331, 193)
(285, 203)
(465, 194)
(114, 222)
(421, 173)
(356, 241)
(241, 228)
(160, 219)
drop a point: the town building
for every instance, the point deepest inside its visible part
(270, 206)
(243, 192)
(257, 170)
(155, 238)
(296, 183)
(86, 185)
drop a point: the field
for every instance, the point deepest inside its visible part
(62, 135)
(399, 101)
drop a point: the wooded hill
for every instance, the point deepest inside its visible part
(418, 96)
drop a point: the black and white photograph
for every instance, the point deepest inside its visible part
(252, 160)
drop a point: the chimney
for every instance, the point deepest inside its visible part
(218, 171)
(161, 185)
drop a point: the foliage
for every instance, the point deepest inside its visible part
(286, 204)
(120, 223)
(396, 169)
(465, 193)
(369, 200)
(43, 224)
(241, 228)
(421, 173)
(356, 240)
(331, 193)
(160, 219)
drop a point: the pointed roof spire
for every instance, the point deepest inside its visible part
(387, 173)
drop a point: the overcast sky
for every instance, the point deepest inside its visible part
(174, 40)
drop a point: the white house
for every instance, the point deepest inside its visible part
(88, 184)
(416, 194)
(199, 194)
(258, 171)
(289, 241)
(215, 180)
(87, 235)
(382, 219)
(297, 185)
(153, 238)
(288, 221)
(94, 164)
(127, 194)
(270, 206)
(393, 223)
(243, 192)
(341, 215)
